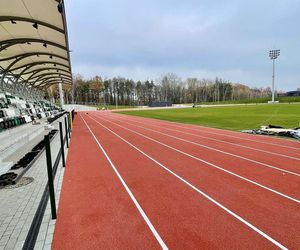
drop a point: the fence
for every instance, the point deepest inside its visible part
(49, 188)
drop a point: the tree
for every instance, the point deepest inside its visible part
(170, 87)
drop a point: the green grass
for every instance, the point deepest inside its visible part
(282, 99)
(232, 117)
(111, 107)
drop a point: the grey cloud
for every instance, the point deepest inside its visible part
(186, 37)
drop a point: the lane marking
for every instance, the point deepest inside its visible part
(190, 126)
(211, 148)
(209, 163)
(197, 190)
(231, 143)
(143, 214)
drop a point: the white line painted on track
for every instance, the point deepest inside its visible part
(208, 163)
(197, 190)
(143, 214)
(211, 148)
(222, 141)
(194, 128)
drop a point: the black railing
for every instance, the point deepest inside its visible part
(49, 188)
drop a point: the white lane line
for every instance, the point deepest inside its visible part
(197, 190)
(211, 148)
(191, 127)
(208, 163)
(222, 141)
(143, 214)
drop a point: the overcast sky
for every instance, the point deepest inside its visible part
(206, 39)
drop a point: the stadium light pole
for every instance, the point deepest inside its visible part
(273, 54)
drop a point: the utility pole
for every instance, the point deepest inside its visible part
(273, 54)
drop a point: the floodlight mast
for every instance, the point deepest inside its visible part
(273, 54)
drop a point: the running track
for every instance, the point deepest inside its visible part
(138, 183)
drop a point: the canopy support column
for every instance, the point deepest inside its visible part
(61, 95)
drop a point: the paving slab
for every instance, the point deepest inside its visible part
(18, 205)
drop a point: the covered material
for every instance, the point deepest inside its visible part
(275, 130)
(34, 42)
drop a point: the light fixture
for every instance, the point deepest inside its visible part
(28, 43)
(50, 57)
(35, 25)
(273, 54)
(45, 45)
(13, 22)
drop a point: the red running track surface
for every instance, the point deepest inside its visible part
(137, 183)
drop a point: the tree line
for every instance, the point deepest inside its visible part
(170, 87)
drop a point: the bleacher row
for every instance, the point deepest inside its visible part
(15, 111)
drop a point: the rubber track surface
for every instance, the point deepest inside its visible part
(171, 170)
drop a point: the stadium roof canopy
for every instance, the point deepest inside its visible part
(34, 45)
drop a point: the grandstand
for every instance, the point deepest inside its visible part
(16, 110)
(34, 58)
(34, 55)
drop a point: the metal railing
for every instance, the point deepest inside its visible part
(49, 191)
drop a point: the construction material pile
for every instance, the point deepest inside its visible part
(275, 130)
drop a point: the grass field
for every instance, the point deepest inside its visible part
(281, 99)
(231, 117)
(111, 107)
